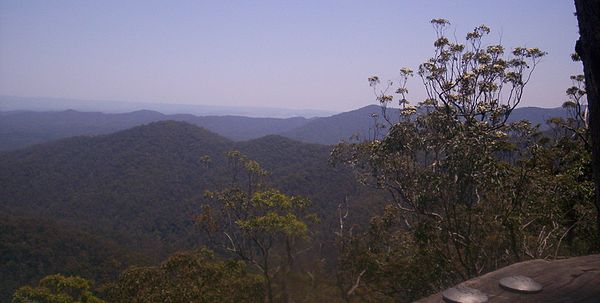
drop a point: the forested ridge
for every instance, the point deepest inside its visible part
(143, 187)
(152, 172)
(24, 128)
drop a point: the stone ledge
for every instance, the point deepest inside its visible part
(568, 280)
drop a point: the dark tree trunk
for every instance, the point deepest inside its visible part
(588, 48)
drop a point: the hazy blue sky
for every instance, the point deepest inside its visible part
(294, 54)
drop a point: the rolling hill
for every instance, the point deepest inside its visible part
(360, 123)
(23, 128)
(142, 187)
(20, 129)
(331, 130)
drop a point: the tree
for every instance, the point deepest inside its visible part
(588, 48)
(257, 224)
(577, 122)
(57, 289)
(568, 160)
(469, 190)
(188, 277)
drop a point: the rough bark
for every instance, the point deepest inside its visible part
(588, 48)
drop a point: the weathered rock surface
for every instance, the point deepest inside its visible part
(568, 280)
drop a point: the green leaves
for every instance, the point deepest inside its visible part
(469, 191)
(273, 198)
(258, 224)
(273, 223)
(188, 277)
(273, 213)
(267, 213)
(57, 289)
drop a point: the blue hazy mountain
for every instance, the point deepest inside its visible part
(360, 123)
(14, 103)
(22, 128)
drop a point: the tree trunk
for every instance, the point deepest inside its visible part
(287, 268)
(588, 48)
(269, 297)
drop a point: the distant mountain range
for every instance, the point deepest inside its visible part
(22, 128)
(12, 103)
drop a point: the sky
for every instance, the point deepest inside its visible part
(286, 54)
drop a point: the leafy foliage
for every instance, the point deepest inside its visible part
(259, 225)
(58, 289)
(470, 191)
(188, 277)
(33, 248)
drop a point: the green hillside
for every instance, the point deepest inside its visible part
(143, 186)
